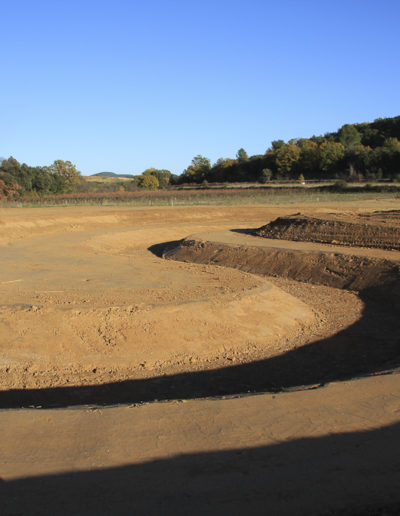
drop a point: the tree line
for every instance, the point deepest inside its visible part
(17, 179)
(368, 151)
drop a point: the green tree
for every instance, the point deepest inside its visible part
(391, 144)
(241, 155)
(10, 165)
(148, 181)
(43, 181)
(198, 170)
(21, 174)
(163, 176)
(286, 159)
(309, 158)
(68, 174)
(222, 170)
(359, 160)
(201, 161)
(10, 186)
(349, 137)
(277, 144)
(265, 175)
(331, 155)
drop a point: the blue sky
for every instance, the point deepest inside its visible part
(126, 85)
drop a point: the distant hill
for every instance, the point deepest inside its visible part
(105, 174)
(112, 174)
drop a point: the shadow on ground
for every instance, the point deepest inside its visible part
(370, 346)
(344, 474)
(160, 249)
(244, 231)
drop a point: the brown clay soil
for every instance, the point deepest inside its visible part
(242, 373)
(377, 229)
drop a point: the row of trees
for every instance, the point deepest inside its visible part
(362, 151)
(153, 178)
(17, 179)
(62, 177)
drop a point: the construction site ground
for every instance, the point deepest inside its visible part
(169, 361)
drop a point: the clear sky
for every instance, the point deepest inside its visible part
(126, 85)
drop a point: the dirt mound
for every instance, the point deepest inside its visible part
(344, 271)
(85, 301)
(379, 229)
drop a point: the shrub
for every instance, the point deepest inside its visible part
(265, 175)
(149, 182)
(341, 185)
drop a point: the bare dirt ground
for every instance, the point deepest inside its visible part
(236, 352)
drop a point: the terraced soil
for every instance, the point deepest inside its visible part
(373, 275)
(240, 374)
(301, 261)
(377, 229)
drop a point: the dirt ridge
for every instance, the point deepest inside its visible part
(333, 269)
(364, 230)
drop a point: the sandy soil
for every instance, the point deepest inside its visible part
(324, 451)
(92, 314)
(377, 229)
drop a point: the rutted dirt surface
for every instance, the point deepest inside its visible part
(90, 313)
(377, 229)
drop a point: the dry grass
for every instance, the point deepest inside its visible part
(102, 179)
(195, 197)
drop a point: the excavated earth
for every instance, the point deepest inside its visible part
(105, 309)
(377, 229)
(372, 274)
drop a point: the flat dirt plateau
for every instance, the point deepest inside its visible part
(200, 359)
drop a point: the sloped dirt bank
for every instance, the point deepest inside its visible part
(357, 336)
(378, 229)
(369, 346)
(94, 306)
(333, 269)
(314, 451)
(94, 316)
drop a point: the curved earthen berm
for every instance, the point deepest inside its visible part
(92, 316)
(85, 304)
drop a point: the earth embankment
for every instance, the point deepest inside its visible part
(377, 229)
(84, 302)
(96, 306)
(355, 269)
(73, 283)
